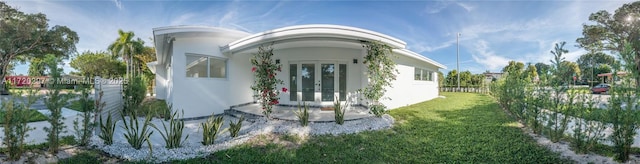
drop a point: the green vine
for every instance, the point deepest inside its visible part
(381, 70)
(265, 71)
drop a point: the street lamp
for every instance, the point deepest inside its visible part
(458, 58)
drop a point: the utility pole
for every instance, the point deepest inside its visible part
(458, 58)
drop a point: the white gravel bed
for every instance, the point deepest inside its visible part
(192, 147)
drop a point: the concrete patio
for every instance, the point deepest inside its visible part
(315, 114)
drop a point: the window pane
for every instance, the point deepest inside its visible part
(328, 87)
(293, 82)
(417, 73)
(217, 68)
(426, 75)
(308, 81)
(196, 66)
(342, 82)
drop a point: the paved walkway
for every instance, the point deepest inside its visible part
(315, 114)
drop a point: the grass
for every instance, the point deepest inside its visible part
(77, 106)
(34, 116)
(461, 128)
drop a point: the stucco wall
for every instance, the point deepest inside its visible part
(406, 90)
(203, 96)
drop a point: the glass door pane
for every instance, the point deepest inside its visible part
(293, 82)
(307, 73)
(342, 80)
(328, 75)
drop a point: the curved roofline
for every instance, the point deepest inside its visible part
(179, 29)
(314, 30)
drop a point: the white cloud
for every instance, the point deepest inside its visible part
(467, 7)
(483, 55)
(118, 4)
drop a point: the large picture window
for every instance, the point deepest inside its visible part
(199, 66)
(423, 74)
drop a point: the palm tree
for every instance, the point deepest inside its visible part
(126, 47)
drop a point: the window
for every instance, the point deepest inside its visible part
(423, 75)
(206, 67)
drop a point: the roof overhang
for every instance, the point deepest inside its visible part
(419, 57)
(311, 33)
(164, 36)
(152, 66)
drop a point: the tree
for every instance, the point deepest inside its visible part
(611, 32)
(465, 78)
(29, 35)
(126, 47)
(90, 64)
(542, 69)
(147, 55)
(440, 79)
(513, 66)
(451, 79)
(590, 62)
(571, 69)
(531, 72)
(37, 67)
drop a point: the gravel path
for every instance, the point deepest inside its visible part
(192, 147)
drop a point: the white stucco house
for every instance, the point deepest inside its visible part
(207, 69)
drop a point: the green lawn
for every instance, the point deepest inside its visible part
(34, 116)
(462, 128)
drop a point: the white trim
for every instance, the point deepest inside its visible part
(208, 58)
(414, 55)
(314, 30)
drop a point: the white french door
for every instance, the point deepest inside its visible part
(317, 82)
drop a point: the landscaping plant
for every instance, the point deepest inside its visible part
(84, 128)
(135, 133)
(303, 114)
(623, 103)
(211, 129)
(338, 110)
(586, 133)
(265, 81)
(54, 102)
(107, 129)
(558, 104)
(14, 124)
(173, 134)
(234, 128)
(134, 92)
(381, 70)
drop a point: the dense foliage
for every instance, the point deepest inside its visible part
(265, 81)
(14, 124)
(91, 64)
(381, 70)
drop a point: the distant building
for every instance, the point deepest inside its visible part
(488, 76)
(609, 76)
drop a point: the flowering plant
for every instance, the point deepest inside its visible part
(265, 85)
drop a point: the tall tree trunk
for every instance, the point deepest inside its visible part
(3, 73)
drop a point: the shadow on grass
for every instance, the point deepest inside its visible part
(460, 128)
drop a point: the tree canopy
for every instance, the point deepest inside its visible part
(594, 63)
(90, 64)
(612, 31)
(29, 35)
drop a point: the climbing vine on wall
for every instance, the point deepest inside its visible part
(381, 70)
(265, 71)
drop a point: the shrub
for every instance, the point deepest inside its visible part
(210, 129)
(587, 134)
(234, 128)
(173, 135)
(157, 108)
(381, 70)
(84, 131)
(54, 102)
(137, 135)
(134, 93)
(339, 110)
(16, 116)
(265, 81)
(303, 115)
(107, 129)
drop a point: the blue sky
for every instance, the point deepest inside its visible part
(492, 32)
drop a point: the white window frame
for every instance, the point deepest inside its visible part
(208, 74)
(422, 71)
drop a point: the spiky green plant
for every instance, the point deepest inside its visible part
(339, 112)
(303, 114)
(211, 129)
(137, 135)
(173, 134)
(234, 128)
(107, 129)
